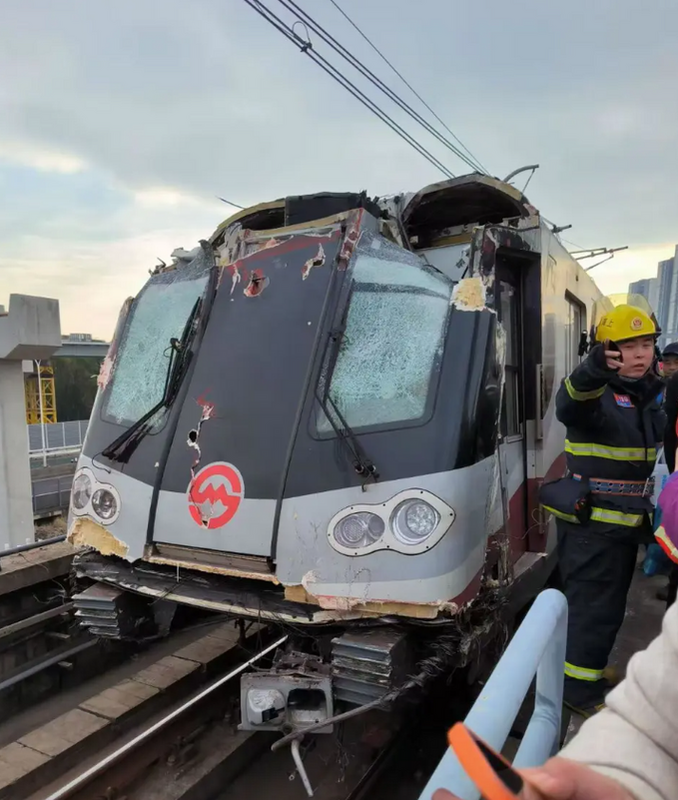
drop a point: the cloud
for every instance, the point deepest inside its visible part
(39, 158)
(133, 121)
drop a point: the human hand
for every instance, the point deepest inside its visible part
(560, 779)
(612, 357)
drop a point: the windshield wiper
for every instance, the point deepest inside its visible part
(346, 436)
(180, 356)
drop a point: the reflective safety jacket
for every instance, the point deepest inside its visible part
(613, 430)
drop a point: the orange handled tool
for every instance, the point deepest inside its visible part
(491, 772)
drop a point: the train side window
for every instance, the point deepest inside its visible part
(576, 323)
(389, 359)
(509, 316)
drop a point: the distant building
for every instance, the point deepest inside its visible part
(649, 289)
(662, 295)
(80, 337)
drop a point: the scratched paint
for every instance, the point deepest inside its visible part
(193, 440)
(236, 277)
(105, 371)
(318, 260)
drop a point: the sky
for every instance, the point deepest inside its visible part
(121, 123)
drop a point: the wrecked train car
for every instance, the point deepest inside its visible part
(337, 411)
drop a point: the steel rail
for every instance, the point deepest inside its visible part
(101, 766)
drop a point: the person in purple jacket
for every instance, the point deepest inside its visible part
(666, 533)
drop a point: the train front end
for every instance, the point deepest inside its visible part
(297, 424)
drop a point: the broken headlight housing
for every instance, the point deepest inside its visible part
(359, 530)
(81, 491)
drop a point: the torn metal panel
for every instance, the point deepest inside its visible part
(470, 294)
(85, 532)
(316, 261)
(257, 283)
(230, 249)
(469, 199)
(378, 608)
(350, 239)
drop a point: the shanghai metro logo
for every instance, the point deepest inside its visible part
(215, 494)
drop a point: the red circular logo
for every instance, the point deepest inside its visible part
(215, 494)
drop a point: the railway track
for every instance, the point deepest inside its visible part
(118, 770)
(163, 726)
(170, 732)
(42, 649)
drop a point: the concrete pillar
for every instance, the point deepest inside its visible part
(31, 329)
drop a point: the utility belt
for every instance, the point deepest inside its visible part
(617, 488)
(572, 499)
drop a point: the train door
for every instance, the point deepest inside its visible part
(518, 307)
(508, 298)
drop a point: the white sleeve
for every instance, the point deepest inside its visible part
(635, 739)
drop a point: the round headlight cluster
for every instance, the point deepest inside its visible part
(81, 491)
(91, 498)
(359, 530)
(413, 521)
(104, 504)
(410, 523)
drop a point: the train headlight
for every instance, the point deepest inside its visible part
(359, 530)
(104, 504)
(81, 491)
(413, 521)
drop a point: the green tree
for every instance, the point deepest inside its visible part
(75, 381)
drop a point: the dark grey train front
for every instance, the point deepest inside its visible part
(300, 417)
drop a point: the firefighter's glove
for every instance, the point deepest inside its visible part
(604, 359)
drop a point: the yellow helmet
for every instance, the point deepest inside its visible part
(625, 322)
(620, 317)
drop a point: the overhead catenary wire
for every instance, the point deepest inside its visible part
(229, 203)
(318, 29)
(409, 85)
(331, 70)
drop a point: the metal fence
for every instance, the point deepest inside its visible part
(58, 437)
(51, 495)
(538, 647)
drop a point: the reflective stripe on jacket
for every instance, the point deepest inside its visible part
(613, 429)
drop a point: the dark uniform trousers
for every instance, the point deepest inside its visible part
(596, 565)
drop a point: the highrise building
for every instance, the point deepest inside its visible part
(662, 295)
(649, 289)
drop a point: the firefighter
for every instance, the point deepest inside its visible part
(611, 407)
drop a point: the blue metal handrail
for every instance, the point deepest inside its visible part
(538, 647)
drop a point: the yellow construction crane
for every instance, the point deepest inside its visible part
(40, 394)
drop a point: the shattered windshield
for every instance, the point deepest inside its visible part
(159, 313)
(393, 340)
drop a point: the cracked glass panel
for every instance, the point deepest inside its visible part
(159, 313)
(391, 351)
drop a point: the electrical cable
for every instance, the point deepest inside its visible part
(409, 85)
(307, 20)
(331, 70)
